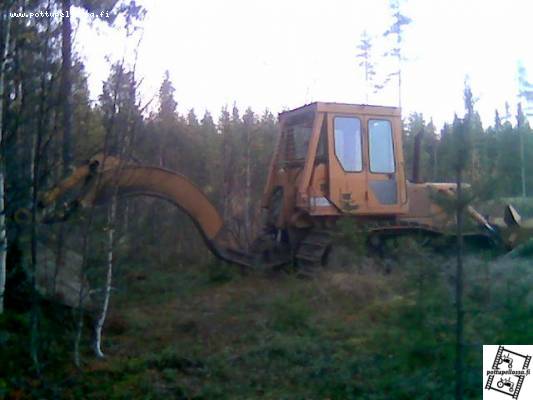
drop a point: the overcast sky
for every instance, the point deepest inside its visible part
(280, 54)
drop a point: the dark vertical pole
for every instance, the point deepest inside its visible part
(435, 160)
(459, 356)
(66, 84)
(65, 98)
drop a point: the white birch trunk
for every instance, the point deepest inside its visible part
(109, 278)
(3, 235)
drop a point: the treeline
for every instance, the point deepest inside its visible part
(500, 156)
(226, 156)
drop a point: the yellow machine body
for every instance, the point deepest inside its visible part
(331, 161)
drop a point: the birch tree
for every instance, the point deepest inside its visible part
(82, 295)
(109, 279)
(122, 118)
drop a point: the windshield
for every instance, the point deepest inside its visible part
(348, 143)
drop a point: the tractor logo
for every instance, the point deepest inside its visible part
(509, 370)
(505, 359)
(506, 382)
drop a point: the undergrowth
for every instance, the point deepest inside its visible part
(193, 333)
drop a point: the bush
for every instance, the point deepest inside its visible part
(290, 314)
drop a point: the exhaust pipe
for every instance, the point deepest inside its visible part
(416, 157)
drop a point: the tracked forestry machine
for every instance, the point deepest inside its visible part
(332, 161)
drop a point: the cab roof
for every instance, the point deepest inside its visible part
(342, 108)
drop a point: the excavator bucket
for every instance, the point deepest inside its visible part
(516, 232)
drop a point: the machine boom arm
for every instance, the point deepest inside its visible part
(103, 177)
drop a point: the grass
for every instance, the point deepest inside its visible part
(351, 332)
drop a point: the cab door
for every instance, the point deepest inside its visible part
(366, 165)
(347, 175)
(383, 177)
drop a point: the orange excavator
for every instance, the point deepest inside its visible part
(332, 161)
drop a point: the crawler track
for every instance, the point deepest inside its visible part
(314, 248)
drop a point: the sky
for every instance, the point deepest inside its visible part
(281, 54)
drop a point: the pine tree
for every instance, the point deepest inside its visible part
(433, 144)
(396, 32)
(365, 61)
(249, 128)
(225, 130)
(462, 139)
(416, 127)
(192, 120)
(520, 126)
(475, 134)
(497, 121)
(166, 119)
(167, 102)
(507, 117)
(460, 132)
(38, 167)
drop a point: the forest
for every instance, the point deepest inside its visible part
(124, 300)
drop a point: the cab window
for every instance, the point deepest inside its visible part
(302, 135)
(347, 137)
(322, 150)
(381, 148)
(296, 138)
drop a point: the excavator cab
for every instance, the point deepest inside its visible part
(337, 159)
